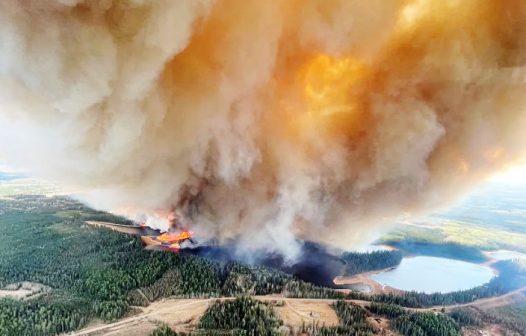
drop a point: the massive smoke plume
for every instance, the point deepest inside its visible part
(264, 121)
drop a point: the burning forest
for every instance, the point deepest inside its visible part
(263, 121)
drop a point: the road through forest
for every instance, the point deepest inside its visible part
(183, 312)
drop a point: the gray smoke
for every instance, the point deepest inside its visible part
(264, 121)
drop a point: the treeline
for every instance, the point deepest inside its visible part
(40, 317)
(515, 324)
(353, 321)
(300, 289)
(163, 330)
(448, 250)
(100, 273)
(231, 279)
(111, 288)
(416, 323)
(239, 279)
(356, 263)
(386, 309)
(246, 316)
(242, 316)
(512, 275)
(44, 240)
(426, 324)
(168, 285)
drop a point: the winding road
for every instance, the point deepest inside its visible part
(191, 309)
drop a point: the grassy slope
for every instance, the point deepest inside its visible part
(465, 234)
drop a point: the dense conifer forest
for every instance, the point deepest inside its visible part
(97, 273)
(356, 263)
(417, 323)
(243, 316)
(512, 275)
(411, 246)
(511, 317)
(353, 321)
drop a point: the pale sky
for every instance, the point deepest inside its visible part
(515, 174)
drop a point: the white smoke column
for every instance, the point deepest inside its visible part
(264, 121)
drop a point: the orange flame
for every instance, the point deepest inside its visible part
(175, 246)
(170, 237)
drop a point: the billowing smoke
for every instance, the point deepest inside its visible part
(264, 121)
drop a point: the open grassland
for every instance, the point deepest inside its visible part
(184, 315)
(27, 186)
(23, 290)
(465, 234)
(296, 313)
(484, 238)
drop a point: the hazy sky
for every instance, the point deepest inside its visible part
(513, 175)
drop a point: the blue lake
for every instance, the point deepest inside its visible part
(431, 274)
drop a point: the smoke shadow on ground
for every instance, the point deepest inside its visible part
(315, 264)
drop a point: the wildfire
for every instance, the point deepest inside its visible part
(170, 237)
(170, 240)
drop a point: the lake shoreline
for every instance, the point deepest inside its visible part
(379, 287)
(365, 279)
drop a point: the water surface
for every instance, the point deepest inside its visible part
(431, 274)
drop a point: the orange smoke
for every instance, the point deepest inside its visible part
(333, 101)
(264, 121)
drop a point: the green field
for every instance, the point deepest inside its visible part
(465, 234)
(26, 186)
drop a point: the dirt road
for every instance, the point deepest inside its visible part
(178, 313)
(492, 302)
(183, 314)
(128, 229)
